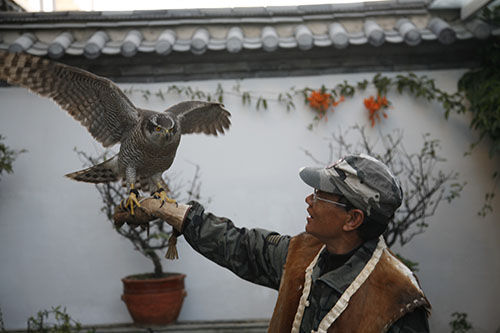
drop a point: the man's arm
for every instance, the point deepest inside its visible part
(256, 255)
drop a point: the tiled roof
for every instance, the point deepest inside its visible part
(237, 31)
(231, 29)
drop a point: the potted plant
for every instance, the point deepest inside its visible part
(152, 298)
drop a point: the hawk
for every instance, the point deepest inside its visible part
(148, 139)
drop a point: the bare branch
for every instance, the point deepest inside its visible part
(113, 193)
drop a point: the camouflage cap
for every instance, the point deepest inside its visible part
(364, 181)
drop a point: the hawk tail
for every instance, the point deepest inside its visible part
(101, 173)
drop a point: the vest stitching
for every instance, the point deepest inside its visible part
(343, 301)
(422, 301)
(305, 293)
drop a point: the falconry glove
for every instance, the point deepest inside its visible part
(174, 214)
(151, 209)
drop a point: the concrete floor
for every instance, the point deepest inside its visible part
(248, 326)
(254, 326)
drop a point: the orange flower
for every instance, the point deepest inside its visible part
(319, 100)
(375, 107)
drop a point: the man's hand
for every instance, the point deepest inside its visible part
(150, 209)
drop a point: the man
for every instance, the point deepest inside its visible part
(338, 276)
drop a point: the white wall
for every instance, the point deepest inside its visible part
(57, 248)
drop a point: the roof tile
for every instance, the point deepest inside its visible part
(222, 29)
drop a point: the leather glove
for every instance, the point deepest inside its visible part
(140, 218)
(173, 213)
(151, 209)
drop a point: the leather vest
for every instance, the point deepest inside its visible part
(388, 293)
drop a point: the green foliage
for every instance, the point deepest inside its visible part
(7, 156)
(347, 90)
(382, 84)
(287, 100)
(55, 320)
(183, 91)
(482, 89)
(219, 93)
(420, 87)
(261, 102)
(246, 98)
(459, 323)
(362, 85)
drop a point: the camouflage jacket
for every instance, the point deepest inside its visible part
(258, 256)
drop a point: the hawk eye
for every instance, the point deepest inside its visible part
(158, 128)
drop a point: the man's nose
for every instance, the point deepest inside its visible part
(309, 199)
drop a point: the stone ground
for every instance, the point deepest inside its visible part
(249, 326)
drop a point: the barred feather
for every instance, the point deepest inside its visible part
(104, 172)
(110, 117)
(96, 102)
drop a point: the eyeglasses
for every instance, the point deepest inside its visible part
(316, 198)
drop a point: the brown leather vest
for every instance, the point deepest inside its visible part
(387, 294)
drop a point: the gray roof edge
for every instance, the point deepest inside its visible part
(208, 14)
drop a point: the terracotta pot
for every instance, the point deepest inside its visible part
(154, 301)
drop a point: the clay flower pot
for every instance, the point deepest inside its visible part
(154, 301)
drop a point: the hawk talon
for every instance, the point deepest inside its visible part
(131, 201)
(161, 194)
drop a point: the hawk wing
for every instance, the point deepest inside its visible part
(201, 117)
(96, 102)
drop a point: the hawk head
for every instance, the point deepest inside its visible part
(159, 128)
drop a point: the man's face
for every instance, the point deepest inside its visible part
(325, 220)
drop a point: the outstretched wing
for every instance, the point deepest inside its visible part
(96, 102)
(201, 117)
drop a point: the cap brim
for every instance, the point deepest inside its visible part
(319, 179)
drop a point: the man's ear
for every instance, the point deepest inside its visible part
(354, 219)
